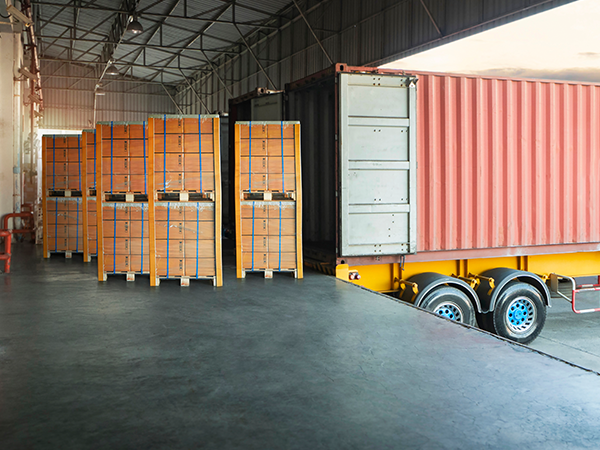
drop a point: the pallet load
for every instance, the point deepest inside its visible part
(185, 199)
(62, 202)
(88, 142)
(268, 196)
(122, 199)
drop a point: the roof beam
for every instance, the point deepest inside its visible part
(253, 24)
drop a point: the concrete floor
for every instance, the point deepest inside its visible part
(282, 363)
(572, 337)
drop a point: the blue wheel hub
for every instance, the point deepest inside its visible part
(520, 314)
(450, 311)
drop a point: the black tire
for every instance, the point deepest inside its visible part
(519, 314)
(451, 303)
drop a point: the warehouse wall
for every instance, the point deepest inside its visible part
(11, 119)
(69, 98)
(354, 32)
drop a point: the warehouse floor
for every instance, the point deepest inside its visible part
(282, 363)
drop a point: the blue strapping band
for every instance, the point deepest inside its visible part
(145, 174)
(165, 159)
(115, 241)
(77, 229)
(200, 148)
(250, 164)
(53, 162)
(168, 226)
(79, 158)
(56, 226)
(279, 235)
(111, 158)
(282, 177)
(197, 235)
(94, 159)
(252, 236)
(142, 251)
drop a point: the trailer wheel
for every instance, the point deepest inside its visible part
(451, 303)
(520, 313)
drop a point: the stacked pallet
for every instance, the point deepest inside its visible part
(88, 139)
(185, 199)
(268, 198)
(62, 206)
(121, 199)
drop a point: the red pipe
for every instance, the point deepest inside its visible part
(7, 248)
(24, 215)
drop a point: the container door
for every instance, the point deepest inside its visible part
(378, 213)
(267, 108)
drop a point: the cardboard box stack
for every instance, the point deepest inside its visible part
(268, 198)
(122, 199)
(185, 199)
(88, 139)
(63, 178)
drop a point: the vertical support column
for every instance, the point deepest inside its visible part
(237, 195)
(218, 216)
(99, 198)
(299, 259)
(84, 194)
(44, 201)
(154, 280)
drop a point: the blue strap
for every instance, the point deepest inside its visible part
(56, 225)
(142, 263)
(165, 158)
(280, 236)
(250, 168)
(111, 159)
(77, 229)
(197, 235)
(168, 226)
(252, 236)
(53, 162)
(282, 178)
(200, 148)
(79, 158)
(115, 239)
(145, 175)
(94, 159)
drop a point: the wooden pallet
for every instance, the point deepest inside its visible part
(184, 196)
(129, 276)
(121, 197)
(61, 193)
(68, 253)
(185, 281)
(268, 273)
(268, 196)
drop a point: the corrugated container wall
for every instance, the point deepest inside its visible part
(505, 163)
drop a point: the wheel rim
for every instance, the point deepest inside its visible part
(450, 311)
(520, 315)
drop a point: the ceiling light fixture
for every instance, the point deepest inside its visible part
(18, 15)
(134, 26)
(112, 70)
(100, 89)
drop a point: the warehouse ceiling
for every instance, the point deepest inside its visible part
(179, 36)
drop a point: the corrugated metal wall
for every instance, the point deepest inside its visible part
(69, 99)
(506, 163)
(355, 32)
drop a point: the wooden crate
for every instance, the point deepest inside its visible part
(123, 239)
(64, 225)
(63, 164)
(268, 196)
(268, 237)
(122, 158)
(185, 235)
